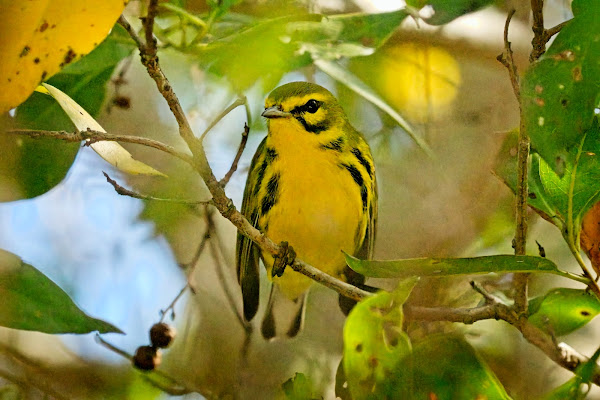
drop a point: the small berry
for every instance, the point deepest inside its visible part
(146, 358)
(161, 335)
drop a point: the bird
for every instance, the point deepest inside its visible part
(311, 183)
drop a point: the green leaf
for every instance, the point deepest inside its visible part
(445, 11)
(299, 387)
(31, 301)
(452, 266)
(447, 367)
(370, 30)
(43, 163)
(560, 91)
(229, 56)
(563, 310)
(289, 43)
(562, 200)
(375, 346)
(577, 190)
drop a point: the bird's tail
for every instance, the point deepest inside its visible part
(283, 316)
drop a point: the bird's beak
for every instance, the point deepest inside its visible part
(275, 112)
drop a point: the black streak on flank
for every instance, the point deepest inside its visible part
(355, 174)
(335, 145)
(363, 161)
(271, 155)
(316, 129)
(272, 194)
(260, 176)
(364, 196)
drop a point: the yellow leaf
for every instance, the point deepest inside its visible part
(112, 152)
(39, 37)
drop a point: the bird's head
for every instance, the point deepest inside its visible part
(308, 105)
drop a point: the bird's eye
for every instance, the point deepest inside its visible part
(312, 106)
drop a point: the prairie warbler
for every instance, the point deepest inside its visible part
(311, 183)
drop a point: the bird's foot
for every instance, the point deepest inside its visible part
(286, 257)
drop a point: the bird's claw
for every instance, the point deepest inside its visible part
(286, 257)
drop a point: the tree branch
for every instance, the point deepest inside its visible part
(539, 38)
(91, 136)
(126, 192)
(521, 196)
(561, 353)
(234, 165)
(506, 58)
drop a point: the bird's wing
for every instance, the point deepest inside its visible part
(365, 252)
(247, 253)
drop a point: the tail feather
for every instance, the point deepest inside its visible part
(283, 315)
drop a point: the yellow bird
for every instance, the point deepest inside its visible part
(311, 183)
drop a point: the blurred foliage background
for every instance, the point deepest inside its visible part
(124, 260)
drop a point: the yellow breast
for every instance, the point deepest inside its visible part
(319, 209)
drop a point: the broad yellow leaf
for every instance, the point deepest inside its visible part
(112, 152)
(39, 37)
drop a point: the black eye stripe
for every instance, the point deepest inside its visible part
(311, 106)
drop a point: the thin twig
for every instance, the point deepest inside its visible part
(234, 165)
(548, 33)
(539, 39)
(171, 306)
(339, 286)
(176, 389)
(489, 298)
(240, 101)
(520, 280)
(92, 136)
(506, 58)
(126, 192)
(562, 354)
(148, 24)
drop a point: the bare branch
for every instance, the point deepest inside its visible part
(126, 192)
(171, 305)
(175, 389)
(91, 136)
(539, 34)
(562, 354)
(506, 58)
(234, 165)
(548, 33)
(148, 24)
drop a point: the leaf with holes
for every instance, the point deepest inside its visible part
(560, 92)
(40, 37)
(375, 346)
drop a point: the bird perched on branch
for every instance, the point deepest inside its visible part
(311, 184)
